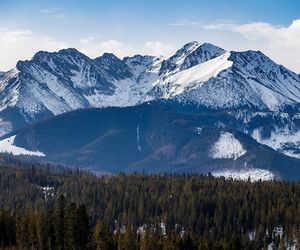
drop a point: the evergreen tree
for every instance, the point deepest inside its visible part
(71, 227)
(60, 223)
(101, 238)
(83, 229)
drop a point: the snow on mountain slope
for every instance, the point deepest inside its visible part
(7, 146)
(284, 140)
(278, 130)
(197, 74)
(5, 126)
(275, 84)
(8, 89)
(253, 80)
(188, 56)
(139, 64)
(227, 147)
(201, 54)
(195, 77)
(151, 137)
(54, 83)
(128, 91)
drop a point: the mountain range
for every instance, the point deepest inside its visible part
(251, 96)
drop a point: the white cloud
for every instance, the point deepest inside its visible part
(279, 42)
(15, 35)
(158, 48)
(280, 35)
(22, 44)
(94, 48)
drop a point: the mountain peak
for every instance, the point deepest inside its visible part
(45, 56)
(202, 74)
(254, 59)
(109, 56)
(114, 66)
(190, 55)
(138, 58)
(190, 45)
(209, 47)
(69, 51)
(202, 53)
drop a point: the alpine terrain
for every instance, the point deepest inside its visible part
(203, 109)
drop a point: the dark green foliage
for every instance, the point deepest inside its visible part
(60, 222)
(78, 210)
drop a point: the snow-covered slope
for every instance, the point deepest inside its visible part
(233, 80)
(194, 77)
(188, 56)
(227, 147)
(255, 174)
(7, 146)
(197, 74)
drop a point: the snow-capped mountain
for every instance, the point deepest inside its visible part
(233, 80)
(197, 75)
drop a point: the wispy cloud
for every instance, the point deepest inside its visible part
(14, 35)
(56, 13)
(158, 48)
(92, 47)
(184, 22)
(276, 35)
(278, 41)
(20, 44)
(281, 43)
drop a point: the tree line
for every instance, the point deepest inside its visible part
(56, 208)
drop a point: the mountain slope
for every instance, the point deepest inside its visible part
(54, 83)
(197, 78)
(233, 80)
(150, 137)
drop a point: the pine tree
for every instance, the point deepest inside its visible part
(41, 230)
(83, 229)
(101, 239)
(71, 226)
(60, 222)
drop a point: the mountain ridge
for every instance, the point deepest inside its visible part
(197, 76)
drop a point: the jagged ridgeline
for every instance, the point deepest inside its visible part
(202, 74)
(43, 208)
(247, 104)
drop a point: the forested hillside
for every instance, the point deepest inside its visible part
(53, 208)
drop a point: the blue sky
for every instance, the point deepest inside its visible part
(148, 26)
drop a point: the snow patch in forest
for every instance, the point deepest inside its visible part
(7, 146)
(227, 147)
(255, 174)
